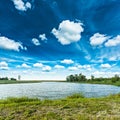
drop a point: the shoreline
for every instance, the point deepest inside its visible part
(39, 81)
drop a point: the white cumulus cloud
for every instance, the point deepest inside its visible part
(113, 42)
(105, 65)
(24, 65)
(68, 32)
(67, 61)
(6, 43)
(42, 37)
(39, 65)
(22, 6)
(35, 42)
(59, 67)
(98, 39)
(4, 65)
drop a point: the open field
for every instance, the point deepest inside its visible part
(75, 107)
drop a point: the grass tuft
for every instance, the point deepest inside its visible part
(74, 96)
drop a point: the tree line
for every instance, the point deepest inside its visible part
(82, 78)
(6, 78)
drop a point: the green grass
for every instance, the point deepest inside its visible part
(27, 81)
(75, 107)
(13, 82)
(105, 82)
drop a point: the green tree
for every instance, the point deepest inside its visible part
(92, 77)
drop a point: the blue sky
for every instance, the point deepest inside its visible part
(50, 39)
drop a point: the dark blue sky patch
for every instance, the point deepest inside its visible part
(19, 27)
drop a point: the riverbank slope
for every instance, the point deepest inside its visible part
(75, 107)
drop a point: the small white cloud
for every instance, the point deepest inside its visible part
(46, 68)
(25, 48)
(28, 5)
(98, 39)
(68, 32)
(6, 43)
(80, 66)
(67, 61)
(74, 68)
(35, 41)
(86, 67)
(20, 5)
(42, 37)
(4, 65)
(59, 67)
(105, 65)
(39, 65)
(113, 42)
(24, 65)
(113, 58)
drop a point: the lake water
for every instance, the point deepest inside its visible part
(55, 90)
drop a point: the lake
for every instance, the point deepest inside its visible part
(55, 90)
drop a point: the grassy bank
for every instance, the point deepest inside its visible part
(13, 81)
(75, 107)
(106, 82)
(117, 83)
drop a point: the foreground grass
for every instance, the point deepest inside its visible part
(75, 107)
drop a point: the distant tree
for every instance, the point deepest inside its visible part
(4, 78)
(76, 78)
(82, 77)
(115, 78)
(13, 79)
(92, 77)
(19, 77)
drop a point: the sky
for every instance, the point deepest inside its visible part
(51, 39)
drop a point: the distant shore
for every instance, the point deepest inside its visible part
(38, 81)
(16, 81)
(99, 82)
(27, 81)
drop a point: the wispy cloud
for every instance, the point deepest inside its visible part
(4, 65)
(46, 68)
(73, 68)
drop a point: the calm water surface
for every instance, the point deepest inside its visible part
(55, 90)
